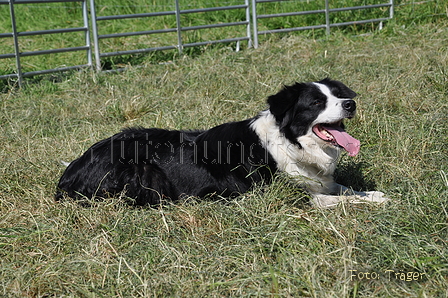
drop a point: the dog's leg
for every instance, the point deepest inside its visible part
(327, 201)
(366, 196)
(348, 195)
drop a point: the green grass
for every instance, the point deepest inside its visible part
(267, 242)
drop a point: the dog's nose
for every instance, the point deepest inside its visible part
(349, 105)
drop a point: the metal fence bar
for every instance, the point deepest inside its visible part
(289, 14)
(51, 31)
(391, 11)
(6, 56)
(327, 17)
(53, 51)
(136, 16)
(370, 6)
(126, 34)
(212, 26)
(137, 51)
(358, 22)
(208, 9)
(85, 17)
(16, 42)
(47, 71)
(255, 23)
(40, 2)
(248, 32)
(15, 34)
(204, 43)
(286, 30)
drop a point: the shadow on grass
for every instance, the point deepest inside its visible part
(351, 174)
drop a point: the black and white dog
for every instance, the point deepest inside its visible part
(301, 134)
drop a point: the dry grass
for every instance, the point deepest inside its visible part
(266, 242)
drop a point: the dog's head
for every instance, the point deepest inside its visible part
(316, 109)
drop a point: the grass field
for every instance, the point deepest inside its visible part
(265, 243)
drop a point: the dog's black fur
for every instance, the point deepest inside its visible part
(155, 164)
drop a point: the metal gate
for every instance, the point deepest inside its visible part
(251, 9)
(178, 29)
(18, 54)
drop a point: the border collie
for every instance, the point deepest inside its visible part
(301, 134)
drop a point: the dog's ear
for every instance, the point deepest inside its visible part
(285, 99)
(338, 89)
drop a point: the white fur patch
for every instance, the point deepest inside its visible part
(312, 165)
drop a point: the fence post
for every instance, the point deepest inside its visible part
(85, 17)
(95, 36)
(391, 11)
(16, 42)
(327, 17)
(248, 33)
(179, 28)
(255, 23)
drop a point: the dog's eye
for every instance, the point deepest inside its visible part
(317, 102)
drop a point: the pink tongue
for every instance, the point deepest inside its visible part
(344, 140)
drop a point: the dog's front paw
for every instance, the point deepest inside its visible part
(374, 197)
(352, 197)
